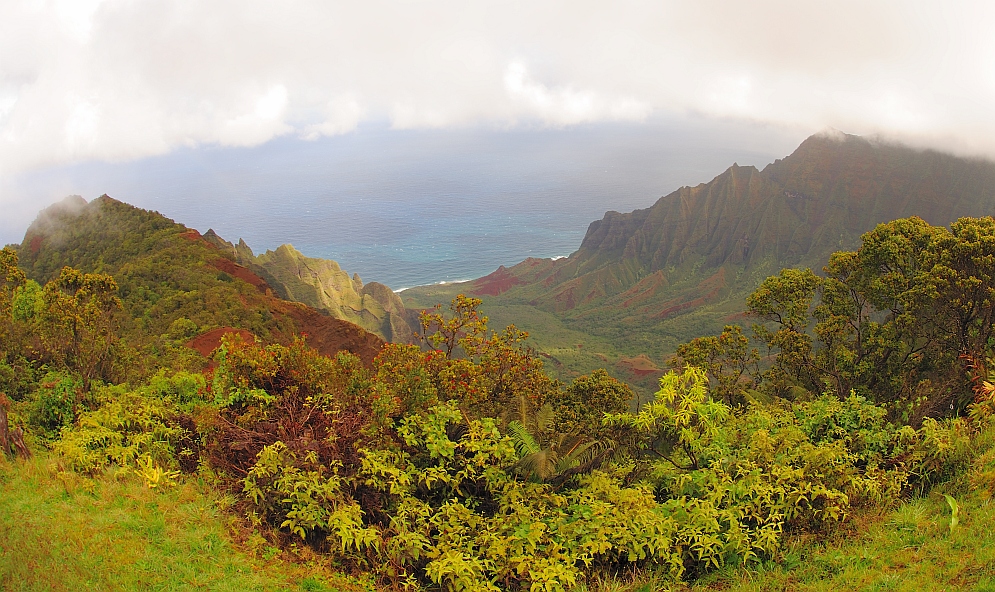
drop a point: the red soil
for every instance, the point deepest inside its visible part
(501, 280)
(205, 343)
(645, 289)
(640, 365)
(711, 288)
(327, 334)
(235, 270)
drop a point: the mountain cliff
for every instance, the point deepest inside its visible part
(322, 284)
(644, 281)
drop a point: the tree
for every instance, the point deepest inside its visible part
(732, 365)
(488, 373)
(904, 320)
(78, 324)
(784, 301)
(11, 278)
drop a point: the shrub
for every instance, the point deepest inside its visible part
(53, 404)
(125, 426)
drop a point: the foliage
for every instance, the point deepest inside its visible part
(459, 519)
(459, 464)
(125, 427)
(732, 366)
(490, 373)
(901, 320)
(581, 406)
(53, 405)
(547, 454)
(306, 498)
(77, 324)
(153, 475)
(290, 394)
(11, 279)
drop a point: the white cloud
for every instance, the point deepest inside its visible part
(566, 106)
(118, 79)
(263, 121)
(339, 116)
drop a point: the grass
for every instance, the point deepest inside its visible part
(62, 531)
(911, 548)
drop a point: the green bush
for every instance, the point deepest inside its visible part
(309, 502)
(53, 404)
(124, 426)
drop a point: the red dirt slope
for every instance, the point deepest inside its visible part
(235, 270)
(493, 284)
(205, 343)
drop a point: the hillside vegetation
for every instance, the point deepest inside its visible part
(457, 462)
(643, 282)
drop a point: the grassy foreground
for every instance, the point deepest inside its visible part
(61, 531)
(910, 548)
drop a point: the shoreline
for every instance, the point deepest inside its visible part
(444, 282)
(439, 283)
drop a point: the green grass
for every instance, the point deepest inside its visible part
(911, 548)
(61, 531)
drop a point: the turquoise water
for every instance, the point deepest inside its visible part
(409, 208)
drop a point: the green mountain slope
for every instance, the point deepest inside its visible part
(645, 281)
(176, 287)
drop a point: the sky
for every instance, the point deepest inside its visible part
(116, 81)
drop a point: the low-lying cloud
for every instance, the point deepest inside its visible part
(118, 79)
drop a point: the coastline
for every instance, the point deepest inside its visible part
(439, 283)
(463, 281)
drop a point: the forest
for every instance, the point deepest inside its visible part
(457, 463)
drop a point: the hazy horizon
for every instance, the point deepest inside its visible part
(159, 103)
(412, 207)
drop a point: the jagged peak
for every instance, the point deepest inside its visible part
(244, 248)
(287, 250)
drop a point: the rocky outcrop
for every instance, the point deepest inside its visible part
(323, 285)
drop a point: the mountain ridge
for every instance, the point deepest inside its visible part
(173, 281)
(646, 280)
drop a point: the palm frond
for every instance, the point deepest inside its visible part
(524, 443)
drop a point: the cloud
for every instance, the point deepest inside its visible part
(117, 79)
(566, 106)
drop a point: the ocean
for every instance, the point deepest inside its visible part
(409, 208)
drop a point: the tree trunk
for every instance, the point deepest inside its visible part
(17, 437)
(4, 431)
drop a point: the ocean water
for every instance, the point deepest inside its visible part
(410, 208)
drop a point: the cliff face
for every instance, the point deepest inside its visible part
(322, 284)
(797, 210)
(682, 267)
